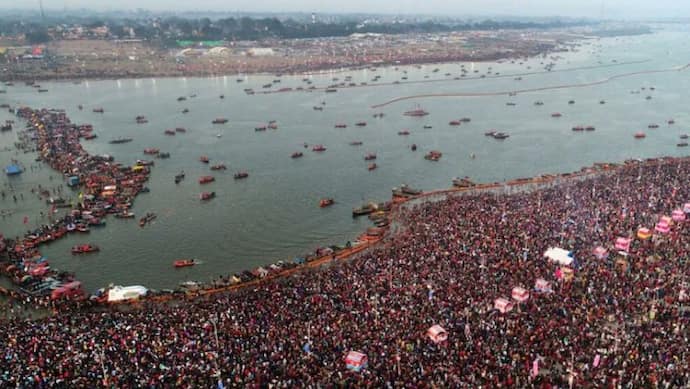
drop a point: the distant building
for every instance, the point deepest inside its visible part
(219, 51)
(260, 51)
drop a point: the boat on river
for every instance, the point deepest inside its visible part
(326, 202)
(184, 263)
(240, 175)
(416, 112)
(433, 155)
(85, 248)
(206, 179)
(207, 195)
(120, 141)
(219, 121)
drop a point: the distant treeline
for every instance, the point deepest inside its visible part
(171, 29)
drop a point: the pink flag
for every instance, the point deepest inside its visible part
(535, 367)
(597, 359)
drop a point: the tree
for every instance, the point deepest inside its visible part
(37, 36)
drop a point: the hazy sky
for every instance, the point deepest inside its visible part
(591, 8)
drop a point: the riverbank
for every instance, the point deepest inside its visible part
(100, 59)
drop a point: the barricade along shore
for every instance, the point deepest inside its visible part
(110, 188)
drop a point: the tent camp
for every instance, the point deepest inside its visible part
(356, 361)
(559, 255)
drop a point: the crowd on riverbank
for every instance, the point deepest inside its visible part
(622, 319)
(105, 188)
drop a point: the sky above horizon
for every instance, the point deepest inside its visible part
(612, 9)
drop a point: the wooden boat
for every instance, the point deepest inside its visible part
(84, 248)
(206, 179)
(240, 175)
(297, 154)
(319, 148)
(220, 166)
(326, 202)
(207, 195)
(370, 157)
(124, 215)
(219, 121)
(184, 263)
(120, 141)
(639, 135)
(169, 132)
(372, 166)
(204, 159)
(433, 155)
(404, 132)
(148, 218)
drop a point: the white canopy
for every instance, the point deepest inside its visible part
(121, 293)
(559, 255)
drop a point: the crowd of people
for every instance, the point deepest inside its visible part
(106, 188)
(620, 321)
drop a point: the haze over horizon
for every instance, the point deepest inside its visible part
(609, 9)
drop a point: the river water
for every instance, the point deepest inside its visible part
(274, 214)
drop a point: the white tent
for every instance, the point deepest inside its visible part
(437, 334)
(122, 293)
(559, 255)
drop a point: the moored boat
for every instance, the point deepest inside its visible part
(220, 166)
(318, 148)
(370, 157)
(590, 128)
(361, 124)
(464, 182)
(454, 122)
(404, 132)
(653, 126)
(169, 132)
(500, 135)
(356, 143)
(297, 154)
(405, 191)
(341, 125)
(219, 121)
(556, 115)
(682, 144)
(372, 166)
(639, 135)
(204, 159)
(151, 151)
(578, 128)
